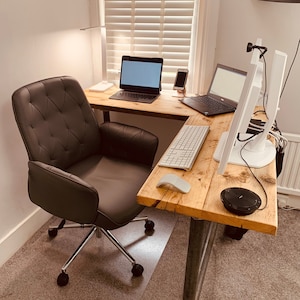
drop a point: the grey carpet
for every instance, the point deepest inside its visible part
(99, 272)
(259, 266)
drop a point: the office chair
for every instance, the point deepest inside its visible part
(78, 170)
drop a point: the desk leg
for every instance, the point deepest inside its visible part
(202, 235)
(106, 116)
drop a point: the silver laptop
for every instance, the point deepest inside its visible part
(224, 92)
(140, 79)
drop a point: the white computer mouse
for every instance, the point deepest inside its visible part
(174, 181)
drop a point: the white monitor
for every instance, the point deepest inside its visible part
(239, 147)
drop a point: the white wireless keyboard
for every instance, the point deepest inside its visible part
(185, 147)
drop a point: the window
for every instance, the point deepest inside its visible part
(149, 28)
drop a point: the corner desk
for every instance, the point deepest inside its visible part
(203, 202)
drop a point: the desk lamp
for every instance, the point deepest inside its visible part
(104, 84)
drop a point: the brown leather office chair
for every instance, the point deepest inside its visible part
(78, 170)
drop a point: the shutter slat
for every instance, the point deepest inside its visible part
(149, 28)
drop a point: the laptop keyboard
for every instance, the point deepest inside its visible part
(138, 95)
(133, 96)
(208, 105)
(213, 104)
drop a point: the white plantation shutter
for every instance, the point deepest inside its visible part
(152, 29)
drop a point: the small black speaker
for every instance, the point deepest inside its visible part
(240, 201)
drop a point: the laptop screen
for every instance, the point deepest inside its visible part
(228, 83)
(140, 74)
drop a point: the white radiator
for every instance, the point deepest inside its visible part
(288, 183)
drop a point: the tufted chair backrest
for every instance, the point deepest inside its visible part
(56, 121)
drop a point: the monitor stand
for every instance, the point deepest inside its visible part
(257, 157)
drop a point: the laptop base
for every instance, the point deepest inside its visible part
(196, 104)
(133, 97)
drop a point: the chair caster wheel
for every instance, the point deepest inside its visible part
(137, 270)
(62, 279)
(52, 232)
(149, 225)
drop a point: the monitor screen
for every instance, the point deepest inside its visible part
(141, 74)
(227, 83)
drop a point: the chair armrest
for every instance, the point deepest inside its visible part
(128, 142)
(62, 194)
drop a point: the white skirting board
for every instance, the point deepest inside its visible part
(288, 201)
(18, 236)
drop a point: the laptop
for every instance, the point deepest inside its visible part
(140, 79)
(224, 92)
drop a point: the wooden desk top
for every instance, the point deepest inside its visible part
(203, 200)
(165, 106)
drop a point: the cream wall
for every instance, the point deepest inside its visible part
(278, 25)
(39, 39)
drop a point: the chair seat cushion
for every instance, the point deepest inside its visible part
(117, 183)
